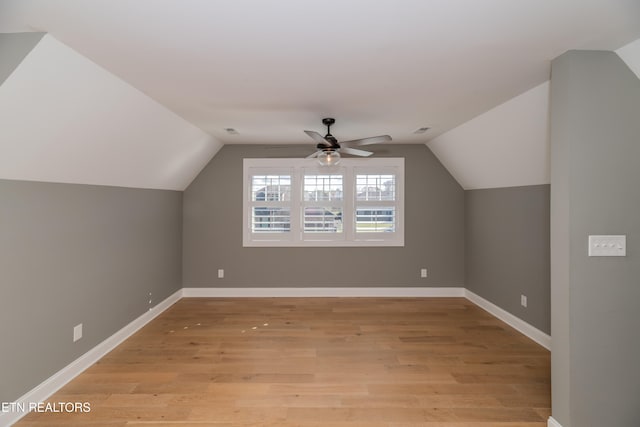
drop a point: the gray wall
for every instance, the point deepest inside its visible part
(74, 254)
(595, 123)
(13, 49)
(434, 237)
(560, 134)
(507, 249)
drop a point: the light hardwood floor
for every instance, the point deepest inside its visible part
(330, 362)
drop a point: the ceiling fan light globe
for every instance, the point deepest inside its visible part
(328, 158)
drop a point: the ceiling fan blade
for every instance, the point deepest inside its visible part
(314, 155)
(368, 141)
(318, 138)
(355, 152)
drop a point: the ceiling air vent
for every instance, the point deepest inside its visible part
(421, 130)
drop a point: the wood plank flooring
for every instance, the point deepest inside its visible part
(325, 362)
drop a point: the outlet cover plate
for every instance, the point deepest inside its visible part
(77, 332)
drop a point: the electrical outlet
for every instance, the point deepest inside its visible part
(523, 300)
(220, 273)
(77, 332)
(423, 272)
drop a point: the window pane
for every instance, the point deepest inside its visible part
(322, 187)
(323, 220)
(376, 187)
(271, 188)
(375, 220)
(270, 220)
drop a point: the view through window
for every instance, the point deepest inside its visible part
(296, 203)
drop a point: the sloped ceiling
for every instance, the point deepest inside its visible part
(13, 49)
(630, 54)
(508, 145)
(65, 119)
(272, 68)
(139, 93)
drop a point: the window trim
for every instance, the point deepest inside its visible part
(349, 167)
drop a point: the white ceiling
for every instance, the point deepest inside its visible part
(271, 68)
(64, 119)
(507, 146)
(630, 54)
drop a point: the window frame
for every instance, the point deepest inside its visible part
(349, 168)
(315, 169)
(274, 171)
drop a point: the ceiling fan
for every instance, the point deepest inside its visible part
(329, 149)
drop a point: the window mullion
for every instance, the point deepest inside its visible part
(323, 220)
(348, 217)
(296, 204)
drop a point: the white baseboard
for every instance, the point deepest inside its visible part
(552, 423)
(44, 390)
(513, 321)
(397, 292)
(62, 377)
(322, 292)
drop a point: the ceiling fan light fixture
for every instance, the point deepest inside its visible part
(328, 146)
(328, 158)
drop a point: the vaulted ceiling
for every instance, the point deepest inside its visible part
(64, 119)
(147, 87)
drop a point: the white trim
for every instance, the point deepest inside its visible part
(322, 292)
(296, 169)
(45, 389)
(416, 292)
(513, 321)
(75, 368)
(553, 423)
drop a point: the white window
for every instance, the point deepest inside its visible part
(295, 202)
(375, 202)
(270, 203)
(322, 202)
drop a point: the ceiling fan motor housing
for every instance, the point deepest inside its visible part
(328, 137)
(328, 144)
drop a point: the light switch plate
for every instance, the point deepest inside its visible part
(608, 245)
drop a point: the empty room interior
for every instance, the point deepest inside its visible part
(320, 213)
